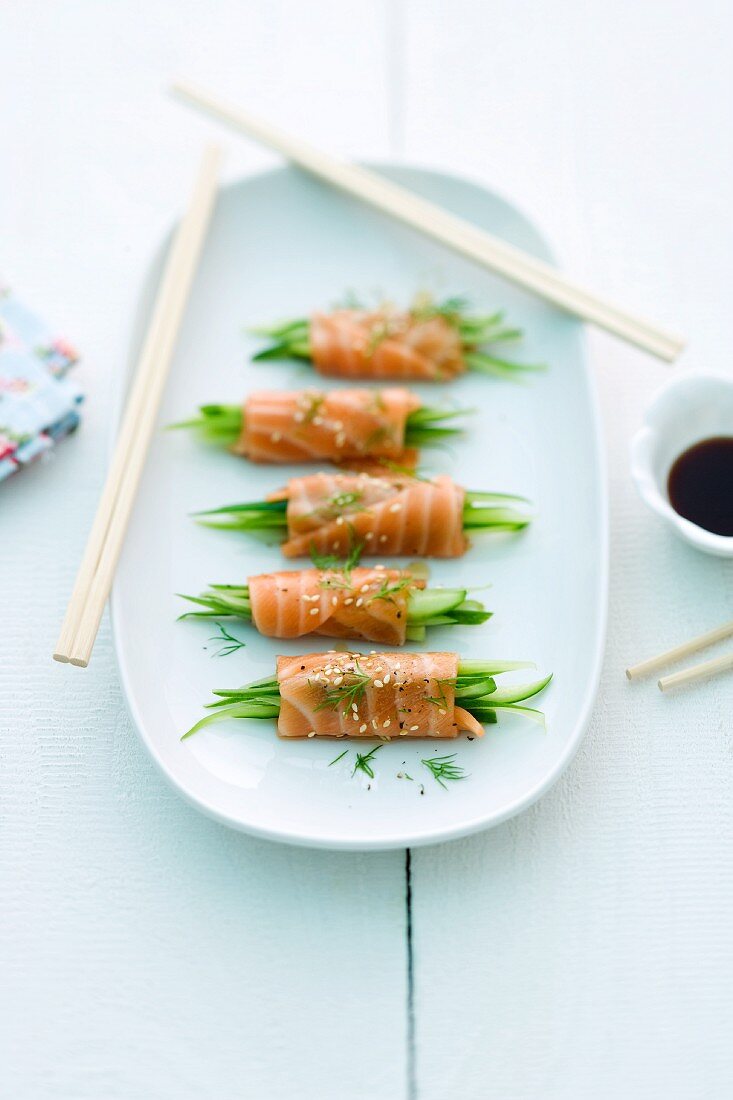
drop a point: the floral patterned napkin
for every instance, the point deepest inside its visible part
(38, 404)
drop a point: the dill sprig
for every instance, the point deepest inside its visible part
(443, 767)
(440, 700)
(339, 757)
(451, 309)
(227, 642)
(363, 761)
(342, 565)
(350, 691)
(389, 588)
(315, 403)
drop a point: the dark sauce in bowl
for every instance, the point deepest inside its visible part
(700, 484)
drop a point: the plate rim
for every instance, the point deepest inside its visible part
(441, 834)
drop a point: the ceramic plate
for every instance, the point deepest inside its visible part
(281, 244)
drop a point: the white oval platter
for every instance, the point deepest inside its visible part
(280, 245)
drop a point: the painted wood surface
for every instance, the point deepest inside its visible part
(583, 948)
(148, 952)
(591, 951)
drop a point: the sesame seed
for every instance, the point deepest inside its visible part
(403, 733)
(276, 437)
(318, 420)
(364, 588)
(335, 545)
(359, 602)
(314, 611)
(362, 727)
(382, 538)
(378, 684)
(387, 722)
(442, 710)
(349, 599)
(340, 439)
(355, 716)
(386, 678)
(369, 535)
(312, 733)
(339, 520)
(337, 680)
(414, 727)
(334, 600)
(374, 723)
(354, 706)
(395, 507)
(298, 417)
(338, 425)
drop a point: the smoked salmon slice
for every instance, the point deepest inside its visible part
(429, 341)
(392, 514)
(356, 344)
(380, 695)
(308, 426)
(365, 603)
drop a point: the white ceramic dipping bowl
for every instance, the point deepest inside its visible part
(684, 412)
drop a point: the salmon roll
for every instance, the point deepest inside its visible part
(385, 696)
(428, 342)
(395, 513)
(340, 426)
(389, 606)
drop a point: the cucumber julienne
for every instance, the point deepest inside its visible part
(476, 691)
(222, 425)
(425, 607)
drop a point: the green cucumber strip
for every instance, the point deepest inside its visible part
(219, 424)
(252, 506)
(429, 436)
(508, 695)
(474, 496)
(470, 668)
(500, 368)
(415, 633)
(426, 414)
(218, 604)
(483, 714)
(237, 710)
(425, 603)
(476, 689)
(252, 521)
(258, 700)
(503, 519)
(283, 328)
(287, 349)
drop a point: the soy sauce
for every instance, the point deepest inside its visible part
(700, 484)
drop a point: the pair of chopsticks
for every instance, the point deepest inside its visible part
(94, 579)
(696, 672)
(460, 235)
(95, 575)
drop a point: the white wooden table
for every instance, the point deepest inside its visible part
(584, 948)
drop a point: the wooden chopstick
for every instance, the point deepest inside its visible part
(94, 579)
(680, 651)
(696, 672)
(461, 235)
